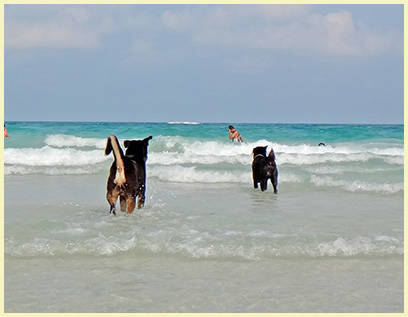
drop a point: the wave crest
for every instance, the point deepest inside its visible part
(63, 140)
(206, 246)
(190, 160)
(49, 156)
(357, 186)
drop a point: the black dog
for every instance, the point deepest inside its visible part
(264, 168)
(127, 178)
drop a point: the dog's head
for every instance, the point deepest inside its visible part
(137, 149)
(259, 150)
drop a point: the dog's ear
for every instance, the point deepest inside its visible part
(147, 139)
(126, 143)
(108, 147)
(272, 155)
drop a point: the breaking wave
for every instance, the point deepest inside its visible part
(357, 186)
(49, 156)
(63, 140)
(188, 160)
(61, 148)
(184, 122)
(204, 245)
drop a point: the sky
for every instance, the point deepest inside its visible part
(205, 63)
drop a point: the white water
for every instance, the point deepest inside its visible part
(178, 159)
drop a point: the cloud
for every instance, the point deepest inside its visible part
(337, 34)
(286, 28)
(60, 27)
(152, 33)
(216, 17)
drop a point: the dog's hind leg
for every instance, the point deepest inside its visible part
(141, 196)
(274, 181)
(122, 203)
(264, 184)
(140, 201)
(275, 185)
(112, 197)
(130, 203)
(255, 183)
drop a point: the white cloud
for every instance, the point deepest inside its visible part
(62, 27)
(288, 28)
(51, 35)
(261, 29)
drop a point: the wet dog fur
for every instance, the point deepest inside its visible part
(127, 177)
(264, 168)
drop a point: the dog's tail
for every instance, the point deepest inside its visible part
(271, 155)
(112, 144)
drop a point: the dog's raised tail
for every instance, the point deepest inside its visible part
(112, 144)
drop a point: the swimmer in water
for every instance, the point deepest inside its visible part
(234, 135)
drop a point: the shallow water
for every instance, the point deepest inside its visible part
(167, 284)
(331, 240)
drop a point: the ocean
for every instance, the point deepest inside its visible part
(206, 241)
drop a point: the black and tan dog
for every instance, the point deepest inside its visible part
(264, 168)
(127, 178)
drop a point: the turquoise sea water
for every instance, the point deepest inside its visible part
(364, 157)
(292, 133)
(332, 237)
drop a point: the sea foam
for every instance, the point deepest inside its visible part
(167, 150)
(357, 186)
(49, 156)
(204, 147)
(192, 160)
(63, 140)
(201, 245)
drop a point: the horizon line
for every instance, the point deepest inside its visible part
(217, 122)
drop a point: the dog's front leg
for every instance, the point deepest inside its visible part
(274, 180)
